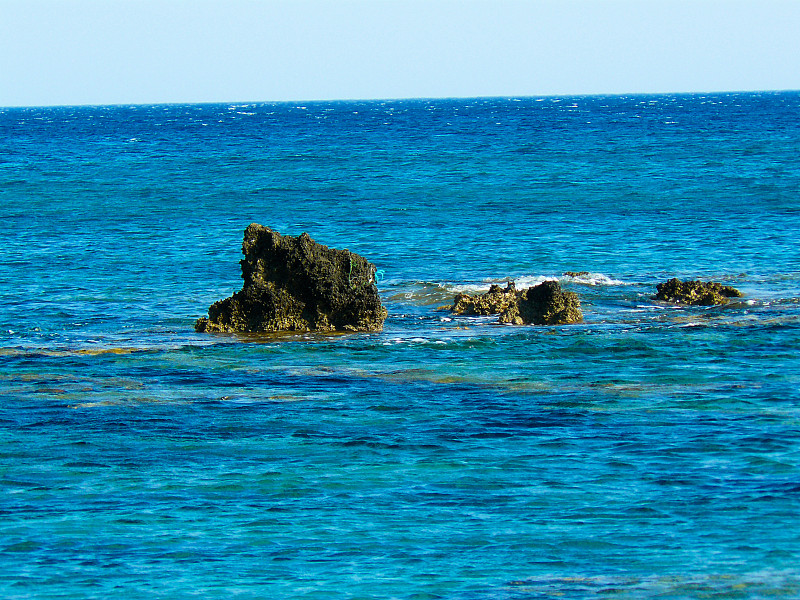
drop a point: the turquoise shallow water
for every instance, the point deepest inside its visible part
(650, 452)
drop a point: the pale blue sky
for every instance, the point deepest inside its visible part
(154, 51)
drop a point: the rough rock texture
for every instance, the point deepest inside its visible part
(544, 304)
(695, 292)
(493, 302)
(294, 284)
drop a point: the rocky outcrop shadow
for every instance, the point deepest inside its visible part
(295, 284)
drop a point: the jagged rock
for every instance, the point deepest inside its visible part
(695, 292)
(543, 304)
(493, 302)
(294, 284)
(575, 273)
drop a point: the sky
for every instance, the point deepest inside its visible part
(73, 52)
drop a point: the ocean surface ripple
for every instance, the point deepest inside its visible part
(652, 451)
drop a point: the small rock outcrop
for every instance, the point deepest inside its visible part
(294, 284)
(543, 304)
(495, 301)
(698, 293)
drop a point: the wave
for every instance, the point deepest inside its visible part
(587, 278)
(424, 293)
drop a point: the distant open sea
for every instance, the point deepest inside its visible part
(652, 451)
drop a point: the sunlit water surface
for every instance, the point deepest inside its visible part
(650, 452)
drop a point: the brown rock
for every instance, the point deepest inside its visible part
(695, 292)
(294, 284)
(493, 302)
(544, 304)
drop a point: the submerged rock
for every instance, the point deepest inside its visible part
(543, 304)
(294, 284)
(696, 292)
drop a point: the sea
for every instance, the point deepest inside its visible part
(652, 451)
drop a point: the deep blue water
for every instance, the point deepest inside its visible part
(650, 452)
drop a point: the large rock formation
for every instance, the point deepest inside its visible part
(695, 292)
(294, 284)
(543, 304)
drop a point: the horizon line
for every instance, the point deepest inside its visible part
(401, 99)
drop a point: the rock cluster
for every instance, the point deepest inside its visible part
(294, 284)
(695, 292)
(543, 304)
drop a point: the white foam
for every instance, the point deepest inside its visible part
(431, 292)
(470, 288)
(532, 280)
(594, 279)
(527, 281)
(660, 306)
